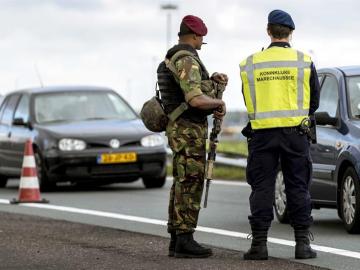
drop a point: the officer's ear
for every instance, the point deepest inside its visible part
(290, 36)
(268, 31)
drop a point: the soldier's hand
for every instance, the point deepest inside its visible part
(220, 112)
(220, 78)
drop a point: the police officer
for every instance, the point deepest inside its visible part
(183, 79)
(281, 90)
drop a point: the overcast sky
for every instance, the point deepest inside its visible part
(119, 43)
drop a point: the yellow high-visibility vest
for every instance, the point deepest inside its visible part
(276, 87)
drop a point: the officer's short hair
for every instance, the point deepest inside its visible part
(279, 31)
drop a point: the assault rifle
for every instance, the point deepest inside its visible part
(212, 145)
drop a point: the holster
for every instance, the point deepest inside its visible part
(247, 131)
(309, 130)
(312, 130)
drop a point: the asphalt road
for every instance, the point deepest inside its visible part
(34, 243)
(223, 224)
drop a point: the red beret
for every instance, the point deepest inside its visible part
(195, 24)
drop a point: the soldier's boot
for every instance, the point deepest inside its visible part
(172, 244)
(258, 250)
(187, 247)
(303, 249)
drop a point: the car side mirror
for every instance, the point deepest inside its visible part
(20, 122)
(323, 118)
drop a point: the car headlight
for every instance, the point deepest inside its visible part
(71, 145)
(152, 140)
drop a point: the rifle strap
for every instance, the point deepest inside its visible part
(178, 111)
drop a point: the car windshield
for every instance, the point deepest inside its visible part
(353, 85)
(80, 106)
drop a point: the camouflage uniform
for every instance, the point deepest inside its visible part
(187, 140)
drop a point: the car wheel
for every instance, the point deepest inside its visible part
(350, 200)
(44, 183)
(3, 181)
(280, 199)
(154, 182)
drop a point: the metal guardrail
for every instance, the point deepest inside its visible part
(236, 162)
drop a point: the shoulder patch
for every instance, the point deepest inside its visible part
(185, 65)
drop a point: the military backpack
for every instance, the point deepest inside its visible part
(153, 114)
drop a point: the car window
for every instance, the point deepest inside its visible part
(9, 108)
(22, 110)
(2, 108)
(353, 87)
(80, 106)
(320, 77)
(329, 96)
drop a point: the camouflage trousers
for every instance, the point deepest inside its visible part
(188, 142)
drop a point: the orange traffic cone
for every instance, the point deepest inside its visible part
(29, 191)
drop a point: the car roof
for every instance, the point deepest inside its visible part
(350, 70)
(55, 89)
(347, 70)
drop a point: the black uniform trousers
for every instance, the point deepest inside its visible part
(268, 147)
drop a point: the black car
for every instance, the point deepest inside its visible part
(336, 156)
(79, 134)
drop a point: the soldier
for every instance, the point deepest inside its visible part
(281, 90)
(187, 93)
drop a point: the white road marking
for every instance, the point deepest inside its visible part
(2, 201)
(341, 252)
(230, 183)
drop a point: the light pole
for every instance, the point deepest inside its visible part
(168, 7)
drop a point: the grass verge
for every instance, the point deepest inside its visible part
(222, 172)
(233, 147)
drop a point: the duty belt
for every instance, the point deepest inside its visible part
(302, 129)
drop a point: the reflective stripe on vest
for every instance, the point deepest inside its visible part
(300, 64)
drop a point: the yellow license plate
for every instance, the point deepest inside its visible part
(117, 158)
